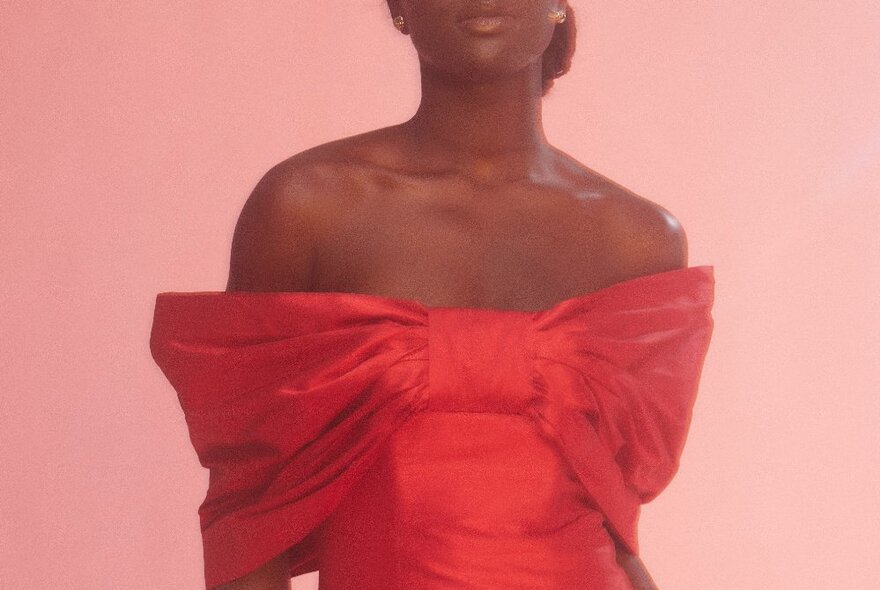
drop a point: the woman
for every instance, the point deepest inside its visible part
(466, 206)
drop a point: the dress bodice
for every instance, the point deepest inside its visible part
(409, 446)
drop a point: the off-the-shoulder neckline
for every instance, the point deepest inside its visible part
(701, 270)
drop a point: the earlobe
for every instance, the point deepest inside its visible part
(400, 23)
(397, 16)
(558, 15)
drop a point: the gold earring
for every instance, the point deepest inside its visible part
(557, 16)
(399, 22)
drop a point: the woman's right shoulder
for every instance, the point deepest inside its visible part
(303, 175)
(324, 169)
(278, 225)
(292, 205)
(304, 184)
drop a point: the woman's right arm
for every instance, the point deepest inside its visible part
(271, 251)
(275, 575)
(272, 247)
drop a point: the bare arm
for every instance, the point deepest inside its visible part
(271, 251)
(644, 238)
(275, 575)
(651, 240)
(635, 570)
(272, 248)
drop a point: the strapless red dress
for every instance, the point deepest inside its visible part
(392, 445)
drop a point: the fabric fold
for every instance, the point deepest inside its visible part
(286, 403)
(625, 366)
(289, 398)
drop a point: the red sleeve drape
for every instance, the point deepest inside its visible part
(288, 397)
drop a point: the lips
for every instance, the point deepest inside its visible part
(485, 23)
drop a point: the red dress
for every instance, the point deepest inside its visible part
(393, 445)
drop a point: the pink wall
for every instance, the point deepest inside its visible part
(131, 133)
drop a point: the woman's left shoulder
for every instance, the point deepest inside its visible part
(642, 234)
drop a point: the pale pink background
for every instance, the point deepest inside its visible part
(131, 133)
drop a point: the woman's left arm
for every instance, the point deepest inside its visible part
(635, 570)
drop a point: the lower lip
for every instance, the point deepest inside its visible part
(486, 24)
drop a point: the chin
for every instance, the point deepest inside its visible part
(482, 66)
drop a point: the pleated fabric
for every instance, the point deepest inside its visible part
(393, 445)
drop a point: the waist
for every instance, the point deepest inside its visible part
(467, 499)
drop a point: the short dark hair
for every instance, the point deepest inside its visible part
(557, 56)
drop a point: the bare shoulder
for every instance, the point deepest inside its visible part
(315, 177)
(645, 236)
(641, 236)
(273, 247)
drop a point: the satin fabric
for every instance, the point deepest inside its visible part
(391, 445)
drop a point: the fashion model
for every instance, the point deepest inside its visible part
(449, 355)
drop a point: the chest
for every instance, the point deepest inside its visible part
(517, 248)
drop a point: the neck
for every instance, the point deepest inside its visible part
(487, 130)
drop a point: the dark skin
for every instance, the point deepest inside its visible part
(464, 205)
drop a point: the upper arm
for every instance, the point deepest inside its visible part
(273, 243)
(635, 570)
(664, 241)
(274, 575)
(646, 238)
